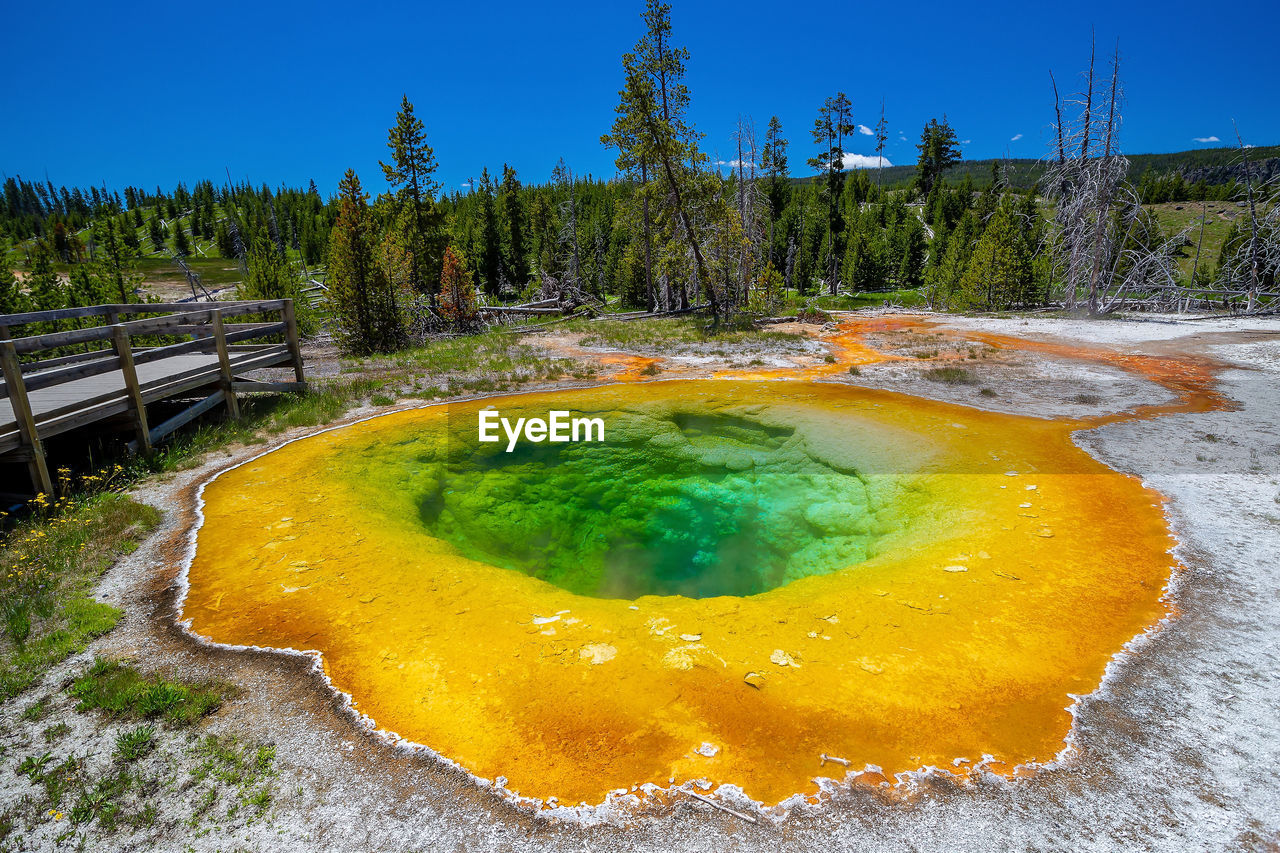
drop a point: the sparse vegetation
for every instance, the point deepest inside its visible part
(48, 566)
(123, 692)
(122, 784)
(951, 375)
(135, 743)
(673, 335)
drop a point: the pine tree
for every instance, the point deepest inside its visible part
(773, 163)
(12, 299)
(89, 288)
(833, 124)
(270, 275)
(61, 248)
(543, 230)
(181, 245)
(943, 279)
(43, 285)
(457, 291)
(939, 150)
(655, 104)
(129, 235)
(367, 314)
(413, 163)
(912, 245)
(157, 232)
(999, 274)
(222, 239)
(488, 241)
(113, 258)
(511, 216)
(882, 136)
(631, 137)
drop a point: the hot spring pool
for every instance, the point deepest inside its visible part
(742, 577)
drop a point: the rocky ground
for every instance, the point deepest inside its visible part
(1178, 750)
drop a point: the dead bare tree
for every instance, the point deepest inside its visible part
(1106, 248)
(1254, 255)
(752, 208)
(563, 178)
(1252, 266)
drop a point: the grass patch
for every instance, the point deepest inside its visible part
(121, 691)
(853, 301)
(1087, 399)
(47, 569)
(493, 355)
(674, 334)
(135, 743)
(69, 785)
(117, 784)
(951, 376)
(988, 392)
(1217, 225)
(229, 762)
(55, 732)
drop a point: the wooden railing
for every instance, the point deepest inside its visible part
(111, 347)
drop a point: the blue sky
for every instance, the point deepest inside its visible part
(283, 93)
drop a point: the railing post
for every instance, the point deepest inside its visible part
(120, 339)
(291, 336)
(28, 433)
(224, 363)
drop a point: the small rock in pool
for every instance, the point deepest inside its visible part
(782, 658)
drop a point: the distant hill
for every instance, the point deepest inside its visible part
(1215, 166)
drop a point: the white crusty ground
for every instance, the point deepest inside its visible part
(1179, 750)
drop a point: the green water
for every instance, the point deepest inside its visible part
(693, 503)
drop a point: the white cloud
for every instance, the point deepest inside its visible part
(903, 138)
(1016, 137)
(733, 164)
(865, 131)
(864, 161)
(1206, 139)
(965, 141)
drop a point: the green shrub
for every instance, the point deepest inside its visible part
(950, 375)
(121, 691)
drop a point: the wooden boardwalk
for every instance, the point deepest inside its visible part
(53, 396)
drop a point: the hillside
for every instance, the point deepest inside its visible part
(1216, 166)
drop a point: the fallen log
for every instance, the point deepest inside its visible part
(517, 309)
(518, 330)
(721, 807)
(641, 315)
